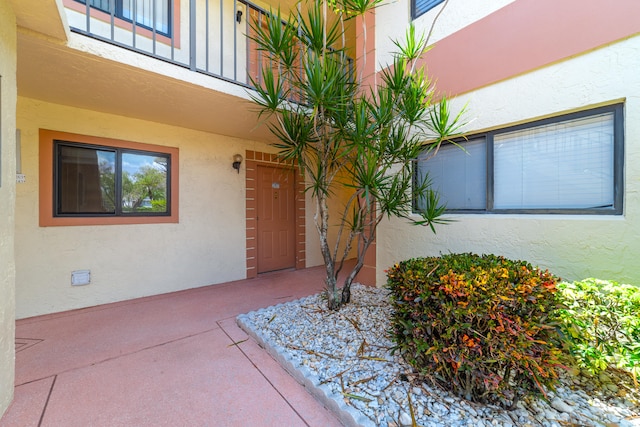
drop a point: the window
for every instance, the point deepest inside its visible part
(420, 7)
(149, 14)
(91, 180)
(88, 180)
(567, 164)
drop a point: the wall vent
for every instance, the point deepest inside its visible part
(80, 277)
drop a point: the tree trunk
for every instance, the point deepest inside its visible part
(364, 242)
(346, 294)
(333, 302)
(322, 223)
(346, 288)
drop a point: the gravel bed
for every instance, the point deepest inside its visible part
(343, 358)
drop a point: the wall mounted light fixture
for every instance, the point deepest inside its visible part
(237, 161)
(239, 12)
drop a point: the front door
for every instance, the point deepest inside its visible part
(276, 219)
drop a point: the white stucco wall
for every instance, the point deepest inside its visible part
(207, 246)
(572, 247)
(7, 201)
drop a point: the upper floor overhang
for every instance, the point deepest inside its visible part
(167, 78)
(45, 17)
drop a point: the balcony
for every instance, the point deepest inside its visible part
(211, 37)
(189, 68)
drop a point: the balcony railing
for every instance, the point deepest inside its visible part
(212, 37)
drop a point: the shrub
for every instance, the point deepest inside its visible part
(477, 325)
(601, 324)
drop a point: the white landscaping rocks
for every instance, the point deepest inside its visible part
(560, 406)
(344, 359)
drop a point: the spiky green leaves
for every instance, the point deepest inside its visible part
(413, 46)
(325, 82)
(271, 93)
(275, 37)
(347, 136)
(316, 32)
(353, 8)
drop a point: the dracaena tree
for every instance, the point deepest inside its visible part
(342, 133)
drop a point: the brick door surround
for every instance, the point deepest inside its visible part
(253, 159)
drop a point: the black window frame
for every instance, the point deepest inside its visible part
(118, 211)
(420, 7)
(119, 14)
(618, 165)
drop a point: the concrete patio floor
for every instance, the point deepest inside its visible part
(166, 360)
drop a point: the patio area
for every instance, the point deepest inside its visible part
(169, 360)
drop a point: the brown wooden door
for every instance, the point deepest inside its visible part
(276, 219)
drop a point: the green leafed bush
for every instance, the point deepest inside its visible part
(601, 324)
(478, 325)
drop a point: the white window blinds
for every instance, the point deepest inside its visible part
(153, 14)
(422, 6)
(459, 176)
(562, 165)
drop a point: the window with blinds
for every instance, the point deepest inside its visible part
(153, 14)
(458, 176)
(419, 7)
(567, 164)
(561, 165)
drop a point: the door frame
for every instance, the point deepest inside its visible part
(253, 159)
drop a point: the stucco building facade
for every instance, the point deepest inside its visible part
(69, 75)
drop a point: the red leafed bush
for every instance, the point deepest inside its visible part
(477, 325)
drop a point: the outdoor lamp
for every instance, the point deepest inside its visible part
(237, 160)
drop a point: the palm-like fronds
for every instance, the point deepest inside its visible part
(362, 141)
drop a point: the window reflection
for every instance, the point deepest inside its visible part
(144, 183)
(86, 181)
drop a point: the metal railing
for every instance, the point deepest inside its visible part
(211, 37)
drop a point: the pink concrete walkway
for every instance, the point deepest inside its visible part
(167, 360)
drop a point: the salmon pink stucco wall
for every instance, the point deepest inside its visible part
(475, 44)
(393, 17)
(525, 35)
(513, 61)
(8, 90)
